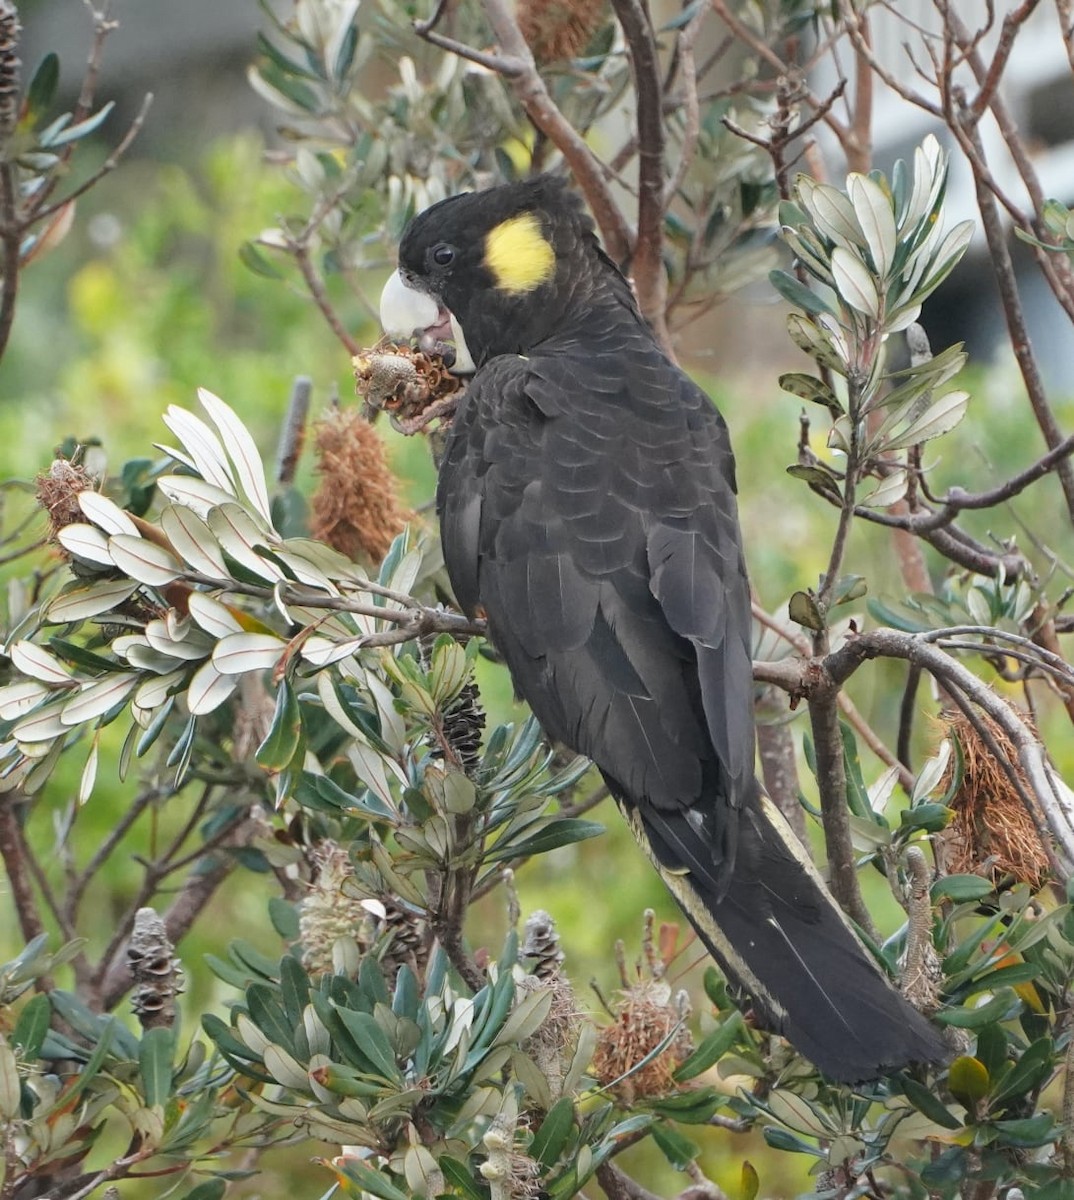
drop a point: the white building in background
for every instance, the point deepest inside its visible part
(1038, 88)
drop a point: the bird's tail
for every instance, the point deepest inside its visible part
(778, 933)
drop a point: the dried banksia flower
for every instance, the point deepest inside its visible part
(991, 833)
(327, 913)
(647, 1015)
(356, 509)
(57, 491)
(412, 386)
(559, 29)
(158, 974)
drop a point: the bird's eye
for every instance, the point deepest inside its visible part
(443, 254)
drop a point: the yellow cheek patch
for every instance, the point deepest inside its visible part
(518, 254)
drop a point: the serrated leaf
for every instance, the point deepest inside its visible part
(144, 560)
(105, 514)
(854, 283)
(241, 450)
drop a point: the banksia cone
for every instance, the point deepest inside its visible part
(9, 68)
(158, 974)
(991, 834)
(402, 933)
(463, 724)
(540, 941)
(647, 1015)
(356, 509)
(559, 29)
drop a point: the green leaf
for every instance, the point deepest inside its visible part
(285, 733)
(855, 284)
(284, 918)
(369, 1180)
(946, 1169)
(783, 1139)
(960, 888)
(695, 1107)
(1003, 1005)
(818, 477)
(42, 90)
(1031, 1070)
(551, 1137)
(31, 1027)
(74, 133)
(803, 610)
(927, 1102)
(798, 294)
(808, 387)
(461, 1178)
(968, 1080)
(677, 1147)
(209, 1189)
(560, 833)
(711, 1049)
(253, 260)
(373, 1042)
(155, 1065)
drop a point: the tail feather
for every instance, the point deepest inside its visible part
(779, 934)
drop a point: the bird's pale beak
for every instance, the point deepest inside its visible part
(406, 311)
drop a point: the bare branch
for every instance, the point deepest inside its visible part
(647, 263)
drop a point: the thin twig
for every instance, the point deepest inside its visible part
(106, 168)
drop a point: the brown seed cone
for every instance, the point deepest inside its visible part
(991, 833)
(645, 1017)
(559, 29)
(9, 67)
(356, 509)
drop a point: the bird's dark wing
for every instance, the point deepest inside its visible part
(587, 505)
(591, 513)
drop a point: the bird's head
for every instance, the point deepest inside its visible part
(495, 272)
